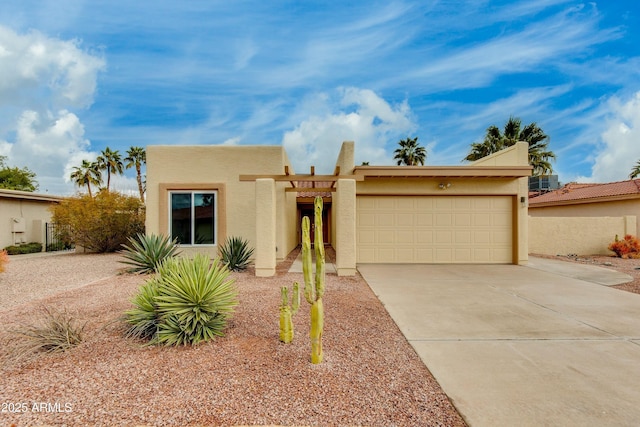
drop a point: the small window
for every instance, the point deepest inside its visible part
(193, 217)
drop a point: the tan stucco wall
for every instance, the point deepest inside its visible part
(217, 166)
(577, 235)
(266, 220)
(344, 205)
(600, 209)
(346, 158)
(516, 155)
(33, 213)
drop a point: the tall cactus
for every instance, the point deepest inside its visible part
(313, 294)
(286, 312)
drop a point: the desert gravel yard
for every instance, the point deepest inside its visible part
(371, 375)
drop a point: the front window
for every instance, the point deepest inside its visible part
(193, 219)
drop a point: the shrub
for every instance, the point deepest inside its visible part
(101, 223)
(28, 248)
(57, 331)
(629, 247)
(143, 318)
(187, 302)
(4, 259)
(235, 253)
(146, 252)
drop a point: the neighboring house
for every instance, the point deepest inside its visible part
(583, 218)
(373, 214)
(24, 215)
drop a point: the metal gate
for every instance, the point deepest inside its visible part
(58, 237)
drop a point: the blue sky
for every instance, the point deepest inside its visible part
(77, 76)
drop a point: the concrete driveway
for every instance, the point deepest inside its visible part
(526, 346)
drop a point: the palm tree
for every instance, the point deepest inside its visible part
(635, 172)
(410, 152)
(495, 140)
(86, 174)
(136, 156)
(111, 161)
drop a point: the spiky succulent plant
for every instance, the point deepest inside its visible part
(236, 254)
(189, 301)
(146, 252)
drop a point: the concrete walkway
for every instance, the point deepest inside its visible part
(296, 267)
(514, 345)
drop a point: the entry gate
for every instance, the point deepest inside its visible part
(57, 237)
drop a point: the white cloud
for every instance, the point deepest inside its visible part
(49, 145)
(620, 148)
(34, 65)
(42, 80)
(357, 115)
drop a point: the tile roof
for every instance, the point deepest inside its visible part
(575, 192)
(310, 185)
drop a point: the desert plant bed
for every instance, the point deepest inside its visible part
(370, 375)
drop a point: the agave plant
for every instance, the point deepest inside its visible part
(189, 301)
(146, 252)
(236, 254)
(143, 318)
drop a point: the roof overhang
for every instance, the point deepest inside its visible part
(27, 195)
(602, 199)
(442, 171)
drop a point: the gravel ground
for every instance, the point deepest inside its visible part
(371, 376)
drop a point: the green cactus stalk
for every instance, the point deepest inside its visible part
(286, 322)
(313, 294)
(287, 311)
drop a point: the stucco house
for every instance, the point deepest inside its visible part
(23, 216)
(475, 213)
(583, 218)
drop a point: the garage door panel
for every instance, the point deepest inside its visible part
(424, 236)
(463, 255)
(424, 219)
(463, 237)
(405, 237)
(434, 229)
(463, 219)
(443, 220)
(385, 219)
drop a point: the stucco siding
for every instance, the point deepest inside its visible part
(577, 235)
(217, 166)
(33, 214)
(596, 209)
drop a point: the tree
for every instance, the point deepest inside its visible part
(136, 156)
(111, 161)
(16, 178)
(495, 140)
(635, 172)
(410, 152)
(86, 174)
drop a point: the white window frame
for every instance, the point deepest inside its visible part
(193, 228)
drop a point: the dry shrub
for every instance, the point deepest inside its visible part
(56, 331)
(629, 247)
(101, 223)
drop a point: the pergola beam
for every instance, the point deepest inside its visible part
(302, 177)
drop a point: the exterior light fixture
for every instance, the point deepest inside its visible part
(444, 186)
(523, 201)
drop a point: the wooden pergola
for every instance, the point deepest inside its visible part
(295, 180)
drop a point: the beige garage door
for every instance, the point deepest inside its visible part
(434, 229)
